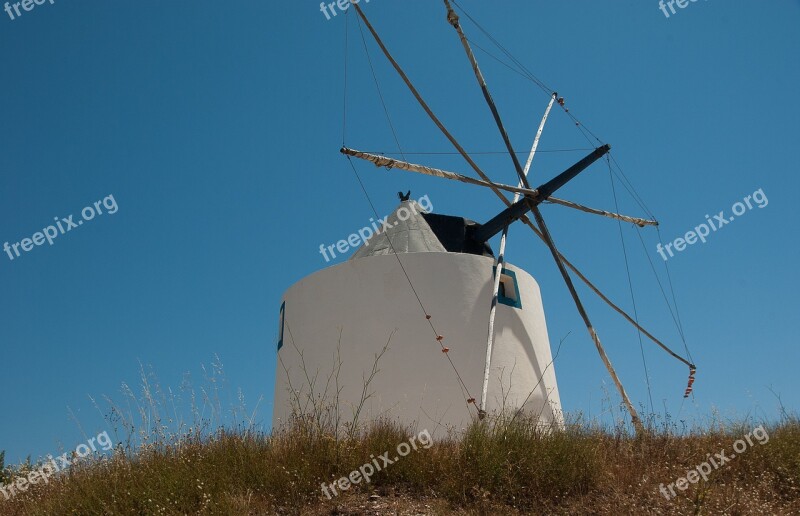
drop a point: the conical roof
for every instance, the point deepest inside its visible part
(408, 232)
(411, 229)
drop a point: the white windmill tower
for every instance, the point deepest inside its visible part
(362, 302)
(430, 283)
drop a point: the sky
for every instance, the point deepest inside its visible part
(209, 133)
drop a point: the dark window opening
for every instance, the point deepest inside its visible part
(281, 316)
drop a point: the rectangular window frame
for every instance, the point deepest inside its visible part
(508, 279)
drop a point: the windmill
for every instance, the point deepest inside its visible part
(526, 200)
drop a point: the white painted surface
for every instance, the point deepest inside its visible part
(366, 299)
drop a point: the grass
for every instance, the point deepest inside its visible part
(503, 465)
(491, 469)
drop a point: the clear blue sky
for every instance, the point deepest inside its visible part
(216, 127)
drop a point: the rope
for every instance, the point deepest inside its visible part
(426, 108)
(527, 73)
(439, 339)
(530, 77)
(504, 152)
(588, 134)
(630, 284)
(637, 422)
(629, 187)
(666, 299)
(675, 302)
(452, 17)
(380, 93)
(523, 71)
(470, 400)
(675, 316)
(344, 100)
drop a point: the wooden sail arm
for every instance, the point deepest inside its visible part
(625, 218)
(498, 269)
(452, 18)
(540, 194)
(520, 208)
(427, 109)
(496, 188)
(539, 135)
(545, 234)
(383, 161)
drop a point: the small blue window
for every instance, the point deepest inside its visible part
(508, 294)
(280, 325)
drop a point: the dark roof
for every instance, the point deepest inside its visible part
(456, 234)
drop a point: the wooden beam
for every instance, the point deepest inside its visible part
(390, 163)
(520, 208)
(452, 17)
(637, 422)
(427, 108)
(503, 220)
(550, 187)
(498, 270)
(634, 220)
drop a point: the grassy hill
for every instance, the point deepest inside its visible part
(498, 467)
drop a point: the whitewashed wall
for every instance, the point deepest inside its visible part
(368, 298)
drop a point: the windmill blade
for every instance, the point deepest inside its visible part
(487, 182)
(392, 163)
(425, 106)
(543, 192)
(625, 218)
(535, 145)
(452, 18)
(637, 423)
(383, 161)
(540, 194)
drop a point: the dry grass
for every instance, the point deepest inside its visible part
(210, 465)
(492, 469)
